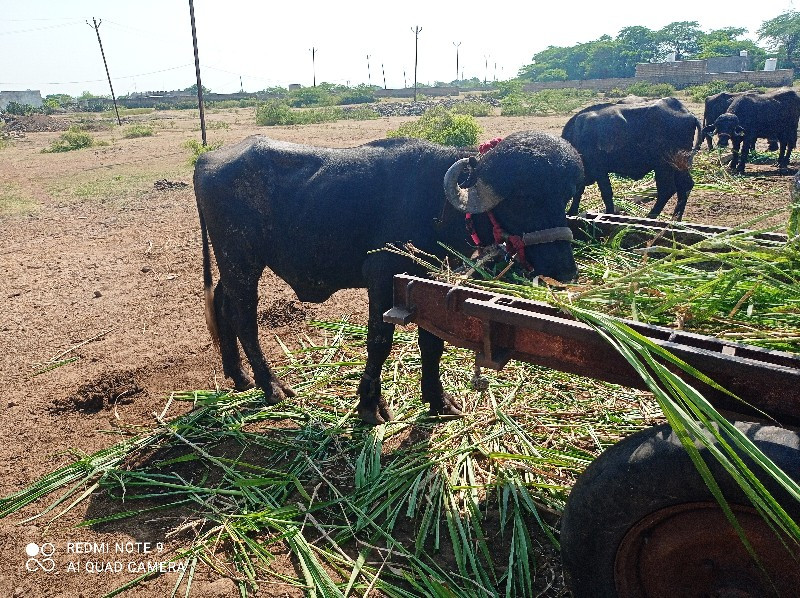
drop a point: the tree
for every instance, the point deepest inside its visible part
(723, 42)
(783, 35)
(635, 44)
(193, 89)
(603, 60)
(681, 37)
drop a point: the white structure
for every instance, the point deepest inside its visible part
(31, 97)
(770, 64)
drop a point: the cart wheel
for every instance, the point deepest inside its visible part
(640, 521)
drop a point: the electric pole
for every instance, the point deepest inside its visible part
(369, 76)
(384, 76)
(456, 45)
(313, 64)
(197, 72)
(416, 31)
(485, 67)
(94, 24)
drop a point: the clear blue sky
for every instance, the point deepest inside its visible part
(47, 45)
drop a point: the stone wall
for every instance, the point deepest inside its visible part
(31, 97)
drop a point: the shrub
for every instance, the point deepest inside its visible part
(71, 139)
(18, 109)
(651, 90)
(699, 93)
(616, 93)
(473, 108)
(198, 148)
(443, 126)
(545, 102)
(273, 113)
(745, 86)
(138, 131)
(362, 94)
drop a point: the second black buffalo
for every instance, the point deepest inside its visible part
(631, 140)
(774, 115)
(319, 217)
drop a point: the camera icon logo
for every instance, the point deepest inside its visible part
(40, 557)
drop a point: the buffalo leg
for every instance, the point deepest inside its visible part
(747, 145)
(665, 188)
(576, 201)
(606, 192)
(684, 184)
(242, 298)
(228, 347)
(377, 270)
(431, 348)
(735, 155)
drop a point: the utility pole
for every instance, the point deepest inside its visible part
(405, 84)
(384, 76)
(197, 72)
(94, 24)
(313, 64)
(416, 31)
(485, 67)
(456, 45)
(369, 76)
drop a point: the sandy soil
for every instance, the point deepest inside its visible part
(100, 264)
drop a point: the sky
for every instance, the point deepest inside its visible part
(48, 44)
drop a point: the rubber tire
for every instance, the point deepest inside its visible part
(644, 473)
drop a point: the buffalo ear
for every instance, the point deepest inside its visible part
(709, 129)
(739, 131)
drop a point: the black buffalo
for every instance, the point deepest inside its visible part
(772, 115)
(718, 104)
(316, 216)
(632, 139)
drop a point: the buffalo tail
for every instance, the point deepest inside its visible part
(208, 289)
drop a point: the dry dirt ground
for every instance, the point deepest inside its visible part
(100, 263)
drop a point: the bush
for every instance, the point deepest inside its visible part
(478, 108)
(545, 102)
(745, 86)
(699, 93)
(72, 139)
(134, 131)
(274, 113)
(278, 113)
(18, 109)
(363, 94)
(443, 126)
(651, 90)
(198, 148)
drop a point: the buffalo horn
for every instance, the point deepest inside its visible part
(477, 199)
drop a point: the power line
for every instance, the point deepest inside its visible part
(39, 28)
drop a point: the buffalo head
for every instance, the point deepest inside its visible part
(727, 127)
(526, 182)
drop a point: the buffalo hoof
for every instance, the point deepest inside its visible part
(242, 382)
(450, 407)
(278, 392)
(375, 414)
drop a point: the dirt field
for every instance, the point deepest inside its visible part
(100, 263)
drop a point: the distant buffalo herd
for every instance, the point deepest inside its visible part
(318, 217)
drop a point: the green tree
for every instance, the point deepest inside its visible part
(193, 89)
(681, 37)
(635, 44)
(724, 42)
(783, 36)
(603, 60)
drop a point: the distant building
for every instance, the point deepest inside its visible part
(31, 97)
